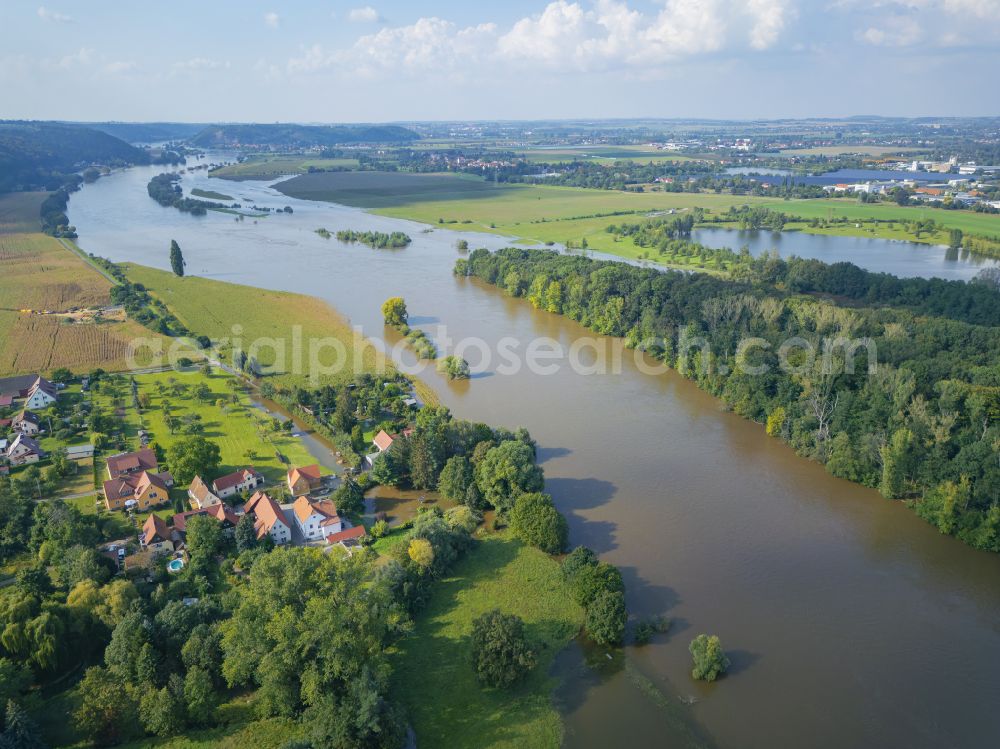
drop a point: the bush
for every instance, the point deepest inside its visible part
(535, 520)
(454, 367)
(606, 618)
(500, 652)
(710, 662)
(593, 580)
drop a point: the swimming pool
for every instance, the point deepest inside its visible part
(175, 565)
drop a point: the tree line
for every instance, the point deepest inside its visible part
(921, 427)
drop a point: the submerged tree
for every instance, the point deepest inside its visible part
(176, 258)
(710, 662)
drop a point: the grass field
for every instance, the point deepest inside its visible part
(38, 273)
(433, 675)
(242, 432)
(386, 189)
(212, 308)
(210, 194)
(268, 167)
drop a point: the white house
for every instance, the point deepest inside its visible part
(269, 518)
(42, 394)
(316, 520)
(23, 450)
(200, 495)
(236, 483)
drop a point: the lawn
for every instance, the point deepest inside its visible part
(212, 308)
(434, 678)
(607, 154)
(242, 432)
(268, 167)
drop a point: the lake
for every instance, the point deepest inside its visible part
(904, 259)
(850, 622)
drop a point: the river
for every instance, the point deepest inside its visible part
(850, 622)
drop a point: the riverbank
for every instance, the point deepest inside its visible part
(579, 218)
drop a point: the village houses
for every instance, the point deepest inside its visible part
(304, 480)
(23, 450)
(269, 519)
(316, 520)
(237, 483)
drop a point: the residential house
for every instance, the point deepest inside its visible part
(200, 495)
(23, 450)
(347, 538)
(219, 511)
(316, 520)
(269, 518)
(41, 395)
(27, 423)
(138, 491)
(236, 483)
(382, 442)
(6, 401)
(156, 536)
(131, 463)
(304, 480)
(19, 387)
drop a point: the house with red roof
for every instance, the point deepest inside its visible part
(226, 517)
(304, 480)
(348, 538)
(238, 482)
(156, 536)
(138, 491)
(269, 518)
(316, 520)
(137, 462)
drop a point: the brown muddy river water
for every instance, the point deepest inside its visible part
(850, 622)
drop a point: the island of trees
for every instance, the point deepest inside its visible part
(375, 239)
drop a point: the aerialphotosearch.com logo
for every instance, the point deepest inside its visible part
(318, 358)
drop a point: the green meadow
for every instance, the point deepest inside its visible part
(433, 674)
(269, 167)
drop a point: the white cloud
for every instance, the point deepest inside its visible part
(366, 14)
(272, 19)
(119, 67)
(81, 58)
(197, 64)
(894, 31)
(52, 15)
(564, 35)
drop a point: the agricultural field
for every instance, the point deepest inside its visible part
(269, 167)
(39, 273)
(386, 189)
(212, 308)
(433, 675)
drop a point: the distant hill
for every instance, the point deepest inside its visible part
(148, 132)
(215, 136)
(41, 155)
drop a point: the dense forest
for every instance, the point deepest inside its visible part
(45, 156)
(300, 136)
(921, 425)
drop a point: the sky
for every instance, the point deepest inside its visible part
(312, 61)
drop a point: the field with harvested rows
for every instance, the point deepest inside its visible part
(38, 273)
